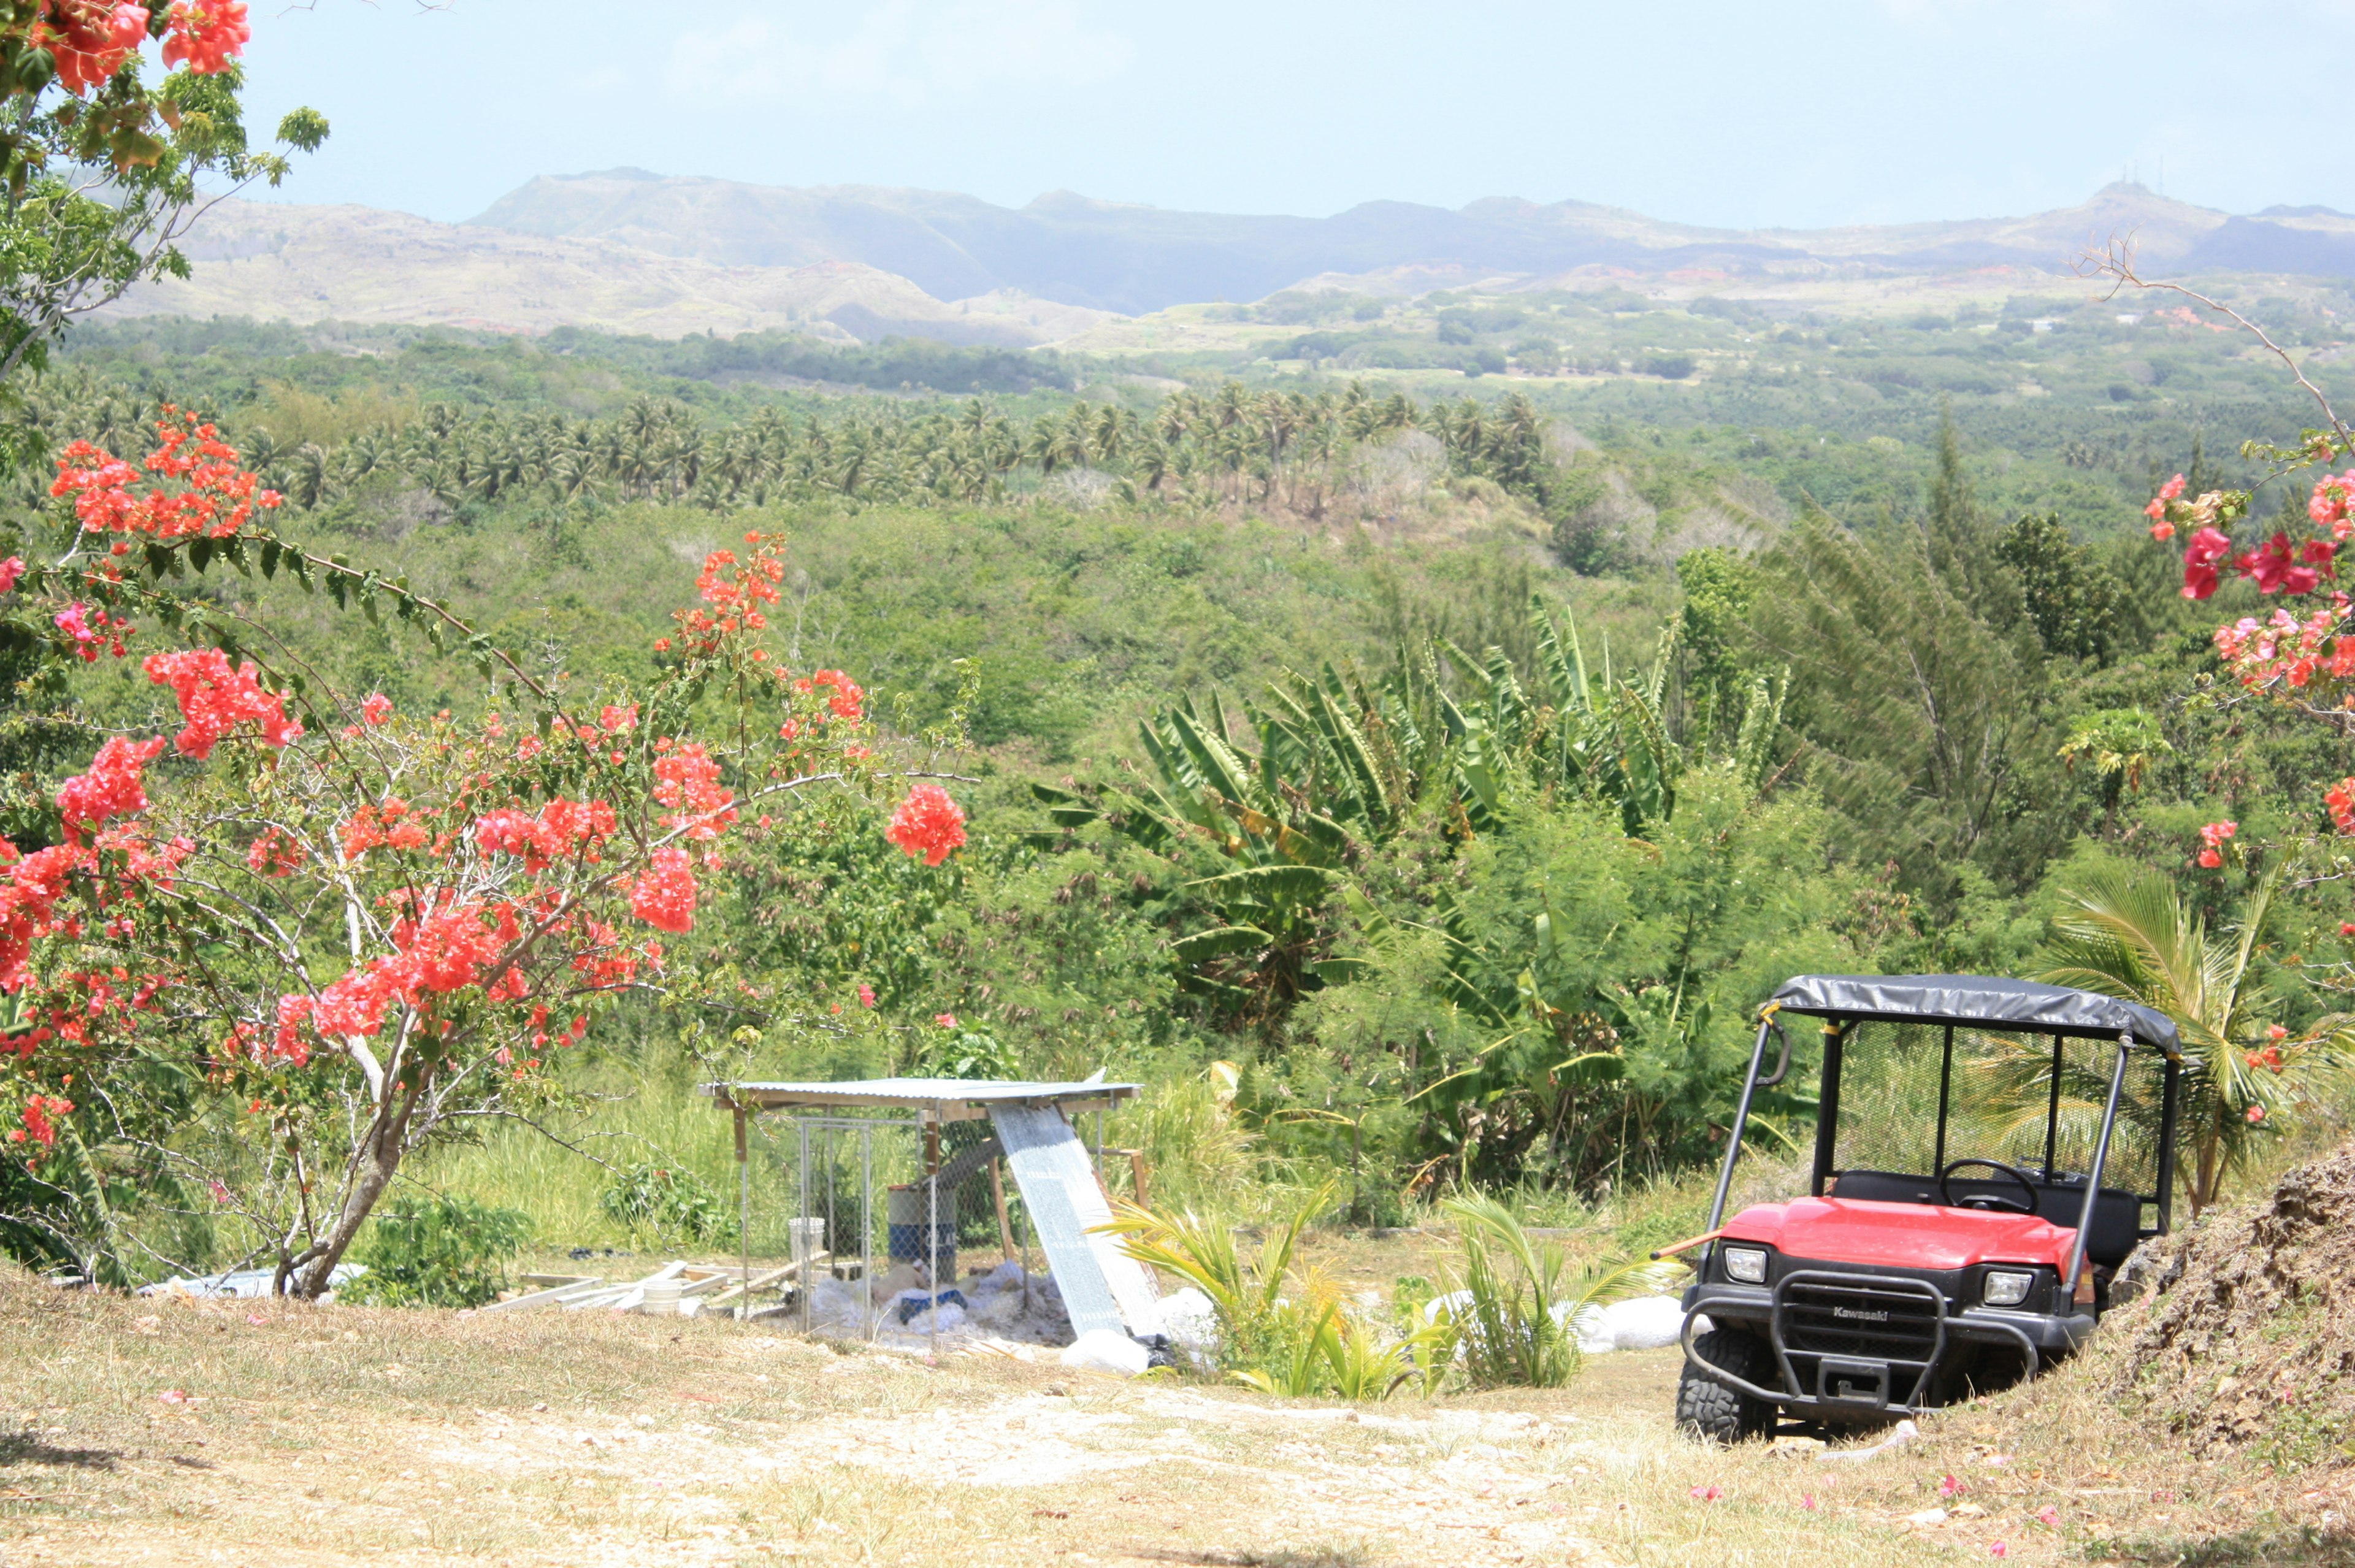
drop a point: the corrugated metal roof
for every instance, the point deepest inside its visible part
(918, 1092)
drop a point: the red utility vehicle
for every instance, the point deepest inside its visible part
(1987, 1154)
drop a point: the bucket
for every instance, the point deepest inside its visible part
(808, 1237)
(659, 1297)
(906, 1208)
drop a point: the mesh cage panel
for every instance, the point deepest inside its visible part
(1998, 1093)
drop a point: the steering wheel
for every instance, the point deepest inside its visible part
(1988, 1199)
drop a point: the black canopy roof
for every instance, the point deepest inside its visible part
(1977, 999)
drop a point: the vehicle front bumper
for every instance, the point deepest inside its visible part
(2039, 1336)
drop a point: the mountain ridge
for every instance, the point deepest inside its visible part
(1132, 260)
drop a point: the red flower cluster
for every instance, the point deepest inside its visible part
(735, 591)
(29, 904)
(562, 828)
(39, 1126)
(113, 787)
(849, 696)
(2208, 547)
(2270, 1058)
(215, 699)
(377, 708)
(275, 854)
(207, 34)
(2273, 566)
(2160, 528)
(438, 952)
(688, 780)
(10, 571)
(219, 497)
(89, 39)
(2340, 798)
(2213, 835)
(389, 823)
(927, 823)
(665, 896)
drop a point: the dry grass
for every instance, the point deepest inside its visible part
(344, 1434)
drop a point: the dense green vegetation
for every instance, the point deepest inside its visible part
(1464, 769)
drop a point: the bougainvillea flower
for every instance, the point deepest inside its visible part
(665, 896)
(206, 35)
(2201, 553)
(928, 823)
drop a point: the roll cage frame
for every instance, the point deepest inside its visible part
(1838, 1020)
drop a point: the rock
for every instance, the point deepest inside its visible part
(1103, 1350)
(1191, 1321)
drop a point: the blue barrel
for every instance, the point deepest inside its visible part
(905, 1212)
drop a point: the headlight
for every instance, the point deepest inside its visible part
(1747, 1264)
(2007, 1289)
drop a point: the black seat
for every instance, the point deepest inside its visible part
(2117, 1213)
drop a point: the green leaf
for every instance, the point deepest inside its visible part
(1208, 945)
(1277, 885)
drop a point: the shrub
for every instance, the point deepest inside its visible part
(669, 1201)
(1517, 1306)
(1281, 1331)
(437, 1251)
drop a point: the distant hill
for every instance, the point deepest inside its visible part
(283, 262)
(1135, 260)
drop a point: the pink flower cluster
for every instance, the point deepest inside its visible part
(2329, 504)
(2284, 647)
(2213, 837)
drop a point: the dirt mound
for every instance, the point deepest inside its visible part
(2246, 1338)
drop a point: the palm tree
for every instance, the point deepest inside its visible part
(2128, 934)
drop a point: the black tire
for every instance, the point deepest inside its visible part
(1711, 1412)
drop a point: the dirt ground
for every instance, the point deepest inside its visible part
(137, 1433)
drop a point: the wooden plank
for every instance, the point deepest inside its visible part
(762, 1282)
(998, 1196)
(555, 1297)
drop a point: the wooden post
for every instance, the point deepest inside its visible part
(1138, 1170)
(744, 1204)
(998, 1196)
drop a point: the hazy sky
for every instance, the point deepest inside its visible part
(1802, 113)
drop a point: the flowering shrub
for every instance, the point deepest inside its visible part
(360, 927)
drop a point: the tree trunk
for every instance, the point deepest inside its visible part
(379, 1156)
